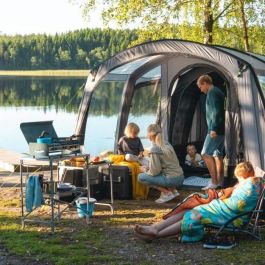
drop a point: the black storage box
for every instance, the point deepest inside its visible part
(77, 177)
(73, 176)
(122, 181)
(97, 189)
(67, 196)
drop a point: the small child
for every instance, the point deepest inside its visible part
(193, 158)
(131, 146)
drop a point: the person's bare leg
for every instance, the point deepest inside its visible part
(154, 229)
(169, 221)
(219, 169)
(210, 163)
(171, 230)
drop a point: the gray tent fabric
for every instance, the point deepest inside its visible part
(176, 64)
(255, 60)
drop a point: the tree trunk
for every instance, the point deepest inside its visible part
(208, 23)
(244, 25)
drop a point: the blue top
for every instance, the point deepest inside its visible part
(215, 113)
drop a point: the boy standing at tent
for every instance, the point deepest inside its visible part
(212, 151)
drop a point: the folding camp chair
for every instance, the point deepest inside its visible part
(253, 224)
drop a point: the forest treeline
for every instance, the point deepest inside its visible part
(86, 48)
(80, 49)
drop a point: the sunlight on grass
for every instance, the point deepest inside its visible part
(14, 202)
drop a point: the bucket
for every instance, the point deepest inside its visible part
(81, 204)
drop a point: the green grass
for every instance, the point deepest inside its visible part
(247, 252)
(82, 247)
(71, 244)
(74, 73)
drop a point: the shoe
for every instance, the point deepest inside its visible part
(176, 193)
(226, 245)
(210, 186)
(210, 244)
(165, 197)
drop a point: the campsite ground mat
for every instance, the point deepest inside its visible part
(195, 182)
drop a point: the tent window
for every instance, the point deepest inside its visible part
(102, 117)
(262, 83)
(144, 107)
(130, 67)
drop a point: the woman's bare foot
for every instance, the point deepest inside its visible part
(146, 230)
(145, 238)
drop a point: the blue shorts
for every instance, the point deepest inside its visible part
(213, 146)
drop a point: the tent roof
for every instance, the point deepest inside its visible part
(254, 59)
(123, 64)
(261, 57)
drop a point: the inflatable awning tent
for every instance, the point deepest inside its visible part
(176, 65)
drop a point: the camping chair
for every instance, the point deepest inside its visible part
(253, 224)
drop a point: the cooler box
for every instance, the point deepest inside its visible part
(122, 181)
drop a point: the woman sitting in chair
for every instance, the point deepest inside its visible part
(189, 224)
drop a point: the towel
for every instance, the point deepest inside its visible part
(196, 199)
(193, 200)
(34, 197)
(140, 191)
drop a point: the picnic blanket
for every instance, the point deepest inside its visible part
(140, 191)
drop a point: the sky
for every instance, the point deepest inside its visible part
(43, 16)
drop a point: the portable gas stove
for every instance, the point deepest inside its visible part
(44, 142)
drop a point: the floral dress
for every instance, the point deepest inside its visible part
(243, 199)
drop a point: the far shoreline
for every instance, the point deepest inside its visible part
(73, 73)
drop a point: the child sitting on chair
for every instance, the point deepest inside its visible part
(193, 158)
(131, 146)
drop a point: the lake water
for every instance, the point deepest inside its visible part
(26, 99)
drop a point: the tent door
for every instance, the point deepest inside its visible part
(187, 122)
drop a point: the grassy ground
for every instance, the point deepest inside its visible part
(108, 239)
(81, 73)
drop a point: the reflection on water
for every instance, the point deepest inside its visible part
(25, 99)
(44, 92)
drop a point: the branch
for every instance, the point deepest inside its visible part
(223, 11)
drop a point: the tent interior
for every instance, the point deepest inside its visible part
(187, 122)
